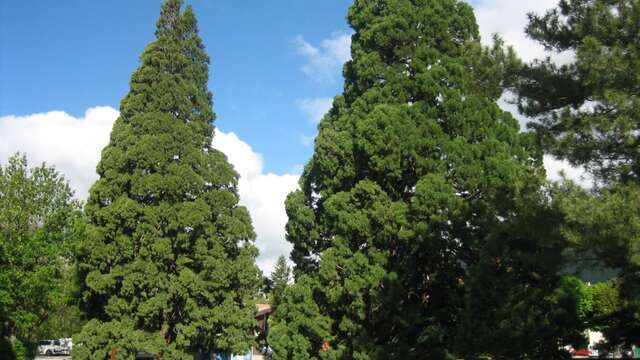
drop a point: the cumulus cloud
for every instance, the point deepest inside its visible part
(509, 18)
(324, 61)
(73, 145)
(263, 194)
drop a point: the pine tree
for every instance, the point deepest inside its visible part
(416, 176)
(169, 264)
(280, 278)
(588, 112)
(588, 109)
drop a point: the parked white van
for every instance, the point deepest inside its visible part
(55, 347)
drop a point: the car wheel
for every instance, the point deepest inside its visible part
(48, 353)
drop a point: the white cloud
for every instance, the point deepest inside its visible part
(557, 170)
(325, 60)
(509, 18)
(264, 196)
(74, 145)
(315, 108)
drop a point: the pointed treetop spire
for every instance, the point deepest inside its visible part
(168, 15)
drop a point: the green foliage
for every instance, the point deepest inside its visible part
(39, 222)
(517, 305)
(601, 301)
(299, 329)
(169, 263)
(280, 278)
(418, 180)
(588, 110)
(606, 222)
(604, 298)
(98, 338)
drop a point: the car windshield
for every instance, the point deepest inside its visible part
(45, 342)
(56, 342)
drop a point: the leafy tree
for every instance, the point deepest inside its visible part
(417, 184)
(604, 298)
(64, 317)
(169, 264)
(280, 278)
(38, 222)
(600, 301)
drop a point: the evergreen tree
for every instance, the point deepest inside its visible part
(588, 112)
(169, 263)
(418, 183)
(280, 279)
(299, 329)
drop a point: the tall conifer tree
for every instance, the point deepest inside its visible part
(280, 278)
(417, 175)
(169, 264)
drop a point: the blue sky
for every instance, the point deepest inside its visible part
(65, 65)
(74, 54)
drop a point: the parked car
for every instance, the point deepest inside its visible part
(581, 352)
(51, 347)
(67, 345)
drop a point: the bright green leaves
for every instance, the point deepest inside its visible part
(169, 266)
(40, 226)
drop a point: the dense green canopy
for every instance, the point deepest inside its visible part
(419, 184)
(38, 222)
(169, 264)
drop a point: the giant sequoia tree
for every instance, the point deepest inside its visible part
(421, 196)
(169, 264)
